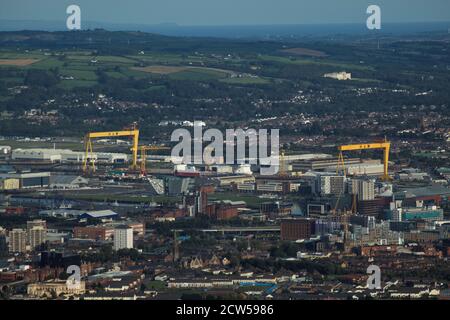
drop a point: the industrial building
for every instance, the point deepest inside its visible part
(99, 214)
(65, 156)
(28, 179)
(365, 168)
(67, 182)
(321, 164)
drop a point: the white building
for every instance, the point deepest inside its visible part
(369, 169)
(53, 155)
(123, 237)
(338, 75)
(65, 155)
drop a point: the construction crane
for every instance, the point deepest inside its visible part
(385, 145)
(282, 165)
(144, 150)
(131, 132)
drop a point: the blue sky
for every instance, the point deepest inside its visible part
(229, 12)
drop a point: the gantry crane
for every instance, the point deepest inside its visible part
(131, 132)
(144, 150)
(385, 145)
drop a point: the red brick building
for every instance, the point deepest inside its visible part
(95, 233)
(221, 211)
(295, 229)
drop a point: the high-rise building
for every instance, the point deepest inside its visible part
(123, 237)
(364, 189)
(332, 185)
(37, 236)
(36, 232)
(18, 240)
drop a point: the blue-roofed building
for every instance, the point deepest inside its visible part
(99, 214)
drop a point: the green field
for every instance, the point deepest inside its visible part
(83, 66)
(198, 74)
(246, 80)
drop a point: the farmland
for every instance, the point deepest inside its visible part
(17, 62)
(71, 82)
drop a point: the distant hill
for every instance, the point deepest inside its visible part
(266, 32)
(123, 42)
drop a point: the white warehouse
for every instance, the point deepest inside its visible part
(53, 155)
(65, 156)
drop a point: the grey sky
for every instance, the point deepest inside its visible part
(228, 12)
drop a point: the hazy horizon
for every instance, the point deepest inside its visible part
(229, 13)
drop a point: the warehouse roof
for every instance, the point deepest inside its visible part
(426, 191)
(99, 214)
(68, 180)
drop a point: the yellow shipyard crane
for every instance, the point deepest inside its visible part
(384, 145)
(88, 158)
